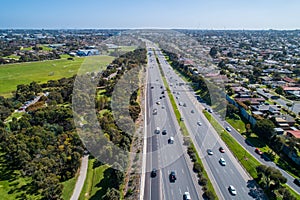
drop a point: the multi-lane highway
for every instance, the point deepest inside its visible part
(205, 137)
(160, 154)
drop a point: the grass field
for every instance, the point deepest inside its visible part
(69, 186)
(239, 125)
(12, 185)
(12, 75)
(95, 182)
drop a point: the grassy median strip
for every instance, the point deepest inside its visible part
(246, 159)
(198, 168)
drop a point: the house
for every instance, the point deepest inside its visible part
(279, 131)
(293, 134)
(89, 52)
(253, 101)
(292, 91)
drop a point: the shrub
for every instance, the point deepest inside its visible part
(197, 167)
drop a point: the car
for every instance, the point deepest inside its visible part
(228, 129)
(152, 87)
(232, 190)
(158, 102)
(180, 103)
(259, 152)
(177, 97)
(153, 173)
(184, 105)
(192, 111)
(164, 132)
(157, 130)
(181, 119)
(297, 181)
(171, 140)
(210, 152)
(154, 111)
(222, 161)
(199, 123)
(161, 87)
(162, 107)
(163, 92)
(209, 110)
(186, 196)
(172, 176)
(222, 150)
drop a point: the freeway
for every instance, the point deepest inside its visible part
(204, 138)
(162, 155)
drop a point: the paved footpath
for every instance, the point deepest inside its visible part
(81, 178)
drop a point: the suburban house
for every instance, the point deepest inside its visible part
(293, 134)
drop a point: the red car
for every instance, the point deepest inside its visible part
(258, 151)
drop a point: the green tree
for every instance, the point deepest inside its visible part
(279, 90)
(264, 128)
(270, 177)
(213, 52)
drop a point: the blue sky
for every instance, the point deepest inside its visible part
(196, 14)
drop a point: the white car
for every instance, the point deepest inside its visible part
(232, 190)
(199, 123)
(187, 196)
(228, 129)
(210, 152)
(222, 161)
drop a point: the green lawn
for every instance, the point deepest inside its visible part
(239, 125)
(69, 186)
(12, 75)
(12, 185)
(95, 183)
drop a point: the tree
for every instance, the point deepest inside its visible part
(111, 194)
(270, 177)
(264, 128)
(213, 52)
(279, 90)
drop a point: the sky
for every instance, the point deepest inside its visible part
(132, 14)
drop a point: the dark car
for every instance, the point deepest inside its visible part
(172, 176)
(297, 181)
(164, 132)
(221, 150)
(153, 173)
(258, 151)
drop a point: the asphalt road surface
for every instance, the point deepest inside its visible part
(161, 155)
(205, 137)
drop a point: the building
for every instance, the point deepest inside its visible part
(89, 52)
(293, 134)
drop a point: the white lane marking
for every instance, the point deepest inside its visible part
(243, 189)
(182, 171)
(180, 191)
(231, 171)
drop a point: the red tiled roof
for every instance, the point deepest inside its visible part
(289, 80)
(291, 88)
(296, 134)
